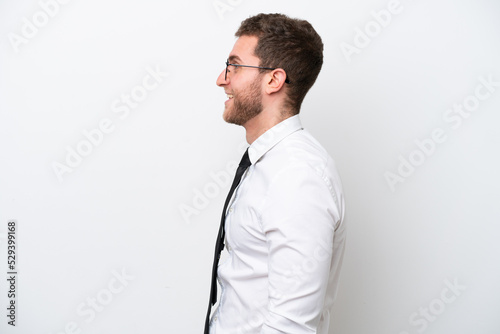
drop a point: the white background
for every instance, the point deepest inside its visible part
(119, 210)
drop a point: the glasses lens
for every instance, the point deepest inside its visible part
(225, 76)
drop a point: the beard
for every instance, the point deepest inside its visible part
(246, 105)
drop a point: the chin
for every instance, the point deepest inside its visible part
(228, 115)
(225, 115)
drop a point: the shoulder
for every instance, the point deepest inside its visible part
(299, 167)
(299, 154)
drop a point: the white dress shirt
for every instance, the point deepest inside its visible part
(284, 238)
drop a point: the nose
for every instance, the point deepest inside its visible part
(221, 79)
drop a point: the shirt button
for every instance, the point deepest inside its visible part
(215, 318)
(230, 209)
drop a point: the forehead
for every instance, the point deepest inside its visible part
(243, 50)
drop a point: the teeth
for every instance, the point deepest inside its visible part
(229, 96)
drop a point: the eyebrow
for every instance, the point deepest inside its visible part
(234, 58)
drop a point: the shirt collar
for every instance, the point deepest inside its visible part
(273, 136)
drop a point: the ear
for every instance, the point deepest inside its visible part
(275, 80)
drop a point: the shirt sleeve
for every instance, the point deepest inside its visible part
(299, 216)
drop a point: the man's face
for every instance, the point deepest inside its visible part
(243, 84)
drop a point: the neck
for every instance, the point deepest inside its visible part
(256, 126)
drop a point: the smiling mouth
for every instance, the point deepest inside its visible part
(229, 96)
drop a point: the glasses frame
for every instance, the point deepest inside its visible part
(264, 68)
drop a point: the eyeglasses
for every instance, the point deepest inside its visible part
(238, 65)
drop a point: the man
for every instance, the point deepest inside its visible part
(284, 229)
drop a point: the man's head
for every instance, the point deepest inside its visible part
(289, 49)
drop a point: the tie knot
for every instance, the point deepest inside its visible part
(245, 160)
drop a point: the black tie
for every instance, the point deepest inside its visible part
(219, 245)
